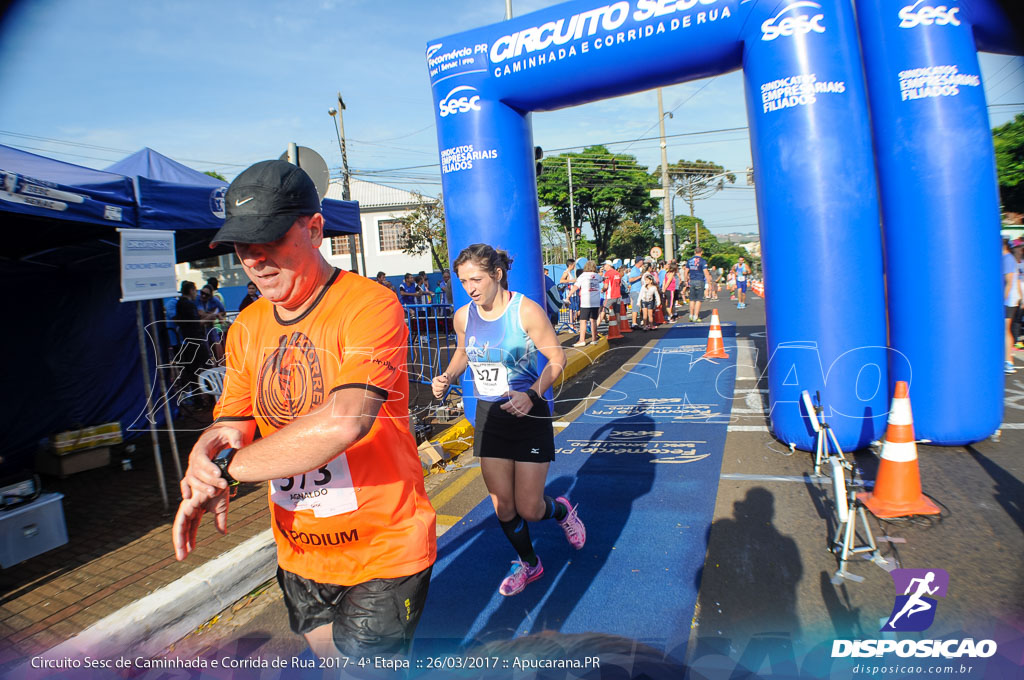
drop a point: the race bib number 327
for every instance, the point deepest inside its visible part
(490, 378)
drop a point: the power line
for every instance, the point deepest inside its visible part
(993, 86)
(97, 147)
(63, 153)
(699, 90)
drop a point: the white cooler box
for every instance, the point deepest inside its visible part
(32, 529)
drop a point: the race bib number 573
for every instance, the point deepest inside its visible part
(327, 491)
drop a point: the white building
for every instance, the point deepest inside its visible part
(380, 208)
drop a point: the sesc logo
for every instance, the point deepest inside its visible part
(915, 611)
(793, 25)
(217, 202)
(911, 16)
(452, 104)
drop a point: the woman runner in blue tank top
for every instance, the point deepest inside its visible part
(500, 337)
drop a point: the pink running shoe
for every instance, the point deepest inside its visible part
(572, 525)
(521, 574)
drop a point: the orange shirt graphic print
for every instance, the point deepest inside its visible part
(291, 380)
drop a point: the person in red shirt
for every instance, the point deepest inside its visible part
(317, 365)
(612, 286)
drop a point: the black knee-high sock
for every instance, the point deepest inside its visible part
(518, 534)
(554, 509)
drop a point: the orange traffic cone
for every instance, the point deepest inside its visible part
(898, 483)
(716, 347)
(659, 316)
(623, 319)
(613, 324)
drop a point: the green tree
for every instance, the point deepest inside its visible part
(586, 248)
(717, 253)
(692, 229)
(1009, 144)
(694, 180)
(425, 230)
(215, 175)
(607, 189)
(554, 239)
(632, 238)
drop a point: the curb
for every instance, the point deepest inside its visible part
(147, 627)
(152, 624)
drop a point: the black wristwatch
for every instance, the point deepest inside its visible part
(532, 394)
(222, 461)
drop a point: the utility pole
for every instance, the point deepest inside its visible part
(572, 208)
(667, 202)
(508, 9)
(339, 127)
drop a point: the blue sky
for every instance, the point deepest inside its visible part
(221, 84)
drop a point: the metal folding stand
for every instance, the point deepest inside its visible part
(848, 507)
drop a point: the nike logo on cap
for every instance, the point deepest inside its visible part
(243, 201)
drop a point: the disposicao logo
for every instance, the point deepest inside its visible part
(914, 611)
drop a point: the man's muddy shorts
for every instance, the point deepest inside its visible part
(696, 292)
(375, 617)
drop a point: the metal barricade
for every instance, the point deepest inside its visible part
(432, 342)
(568, 315)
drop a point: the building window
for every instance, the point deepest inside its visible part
(230, 262)
(392, 233)
(206, 263)
(339, 245)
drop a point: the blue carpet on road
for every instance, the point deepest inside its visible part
(643, 463)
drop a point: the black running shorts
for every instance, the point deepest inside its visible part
(589, 313)
(375, 617)
(499, 434)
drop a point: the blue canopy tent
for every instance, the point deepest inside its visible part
(175, 197)
(75, 349)
(62, 211)
(77, 360)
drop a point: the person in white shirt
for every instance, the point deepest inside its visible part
(1011, 300)
(589, 286)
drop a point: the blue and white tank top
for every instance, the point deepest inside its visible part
(501, 354)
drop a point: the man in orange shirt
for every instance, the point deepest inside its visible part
(317, 364)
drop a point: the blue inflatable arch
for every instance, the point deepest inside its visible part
(818, 200)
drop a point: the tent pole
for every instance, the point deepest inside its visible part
(149, 406)
(163, 396)
(362, 250)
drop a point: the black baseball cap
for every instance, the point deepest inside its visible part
(264, 201)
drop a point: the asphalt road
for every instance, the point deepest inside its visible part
(767, 595)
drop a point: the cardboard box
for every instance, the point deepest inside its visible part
(107, 434)
(50, 463)
(32, 529)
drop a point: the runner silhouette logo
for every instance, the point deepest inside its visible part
(914, 609)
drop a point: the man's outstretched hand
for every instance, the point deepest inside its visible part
(190, 512)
